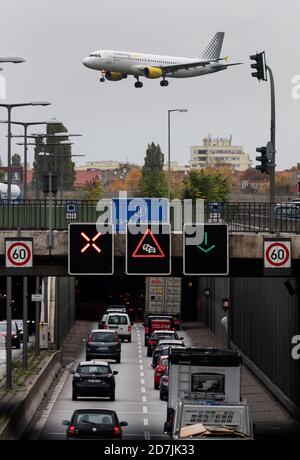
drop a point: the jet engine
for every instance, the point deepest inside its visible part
(153, 72)
(114, 76)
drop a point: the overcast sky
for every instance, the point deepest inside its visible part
(117, 120)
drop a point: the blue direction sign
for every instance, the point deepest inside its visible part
(134, 210)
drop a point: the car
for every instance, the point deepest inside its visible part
(157, 322)
(162, 347)
(93, 378)
(120, 323)
(164, 385)
(94, 424)
(103, 343)
(101, 323)
(15, 333)
(160, 369)
(159, 335)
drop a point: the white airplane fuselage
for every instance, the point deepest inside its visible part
(128, 63)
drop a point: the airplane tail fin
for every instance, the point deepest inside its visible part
(213, 50)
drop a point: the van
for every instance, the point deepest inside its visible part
(120, 323)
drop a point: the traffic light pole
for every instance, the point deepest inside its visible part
(272, 165)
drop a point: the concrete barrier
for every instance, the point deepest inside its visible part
(22, 411)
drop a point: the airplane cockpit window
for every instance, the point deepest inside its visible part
(95, 55)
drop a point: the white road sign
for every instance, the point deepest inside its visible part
(277, 254)
(18, 253)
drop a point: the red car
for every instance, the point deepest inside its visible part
(159, 370)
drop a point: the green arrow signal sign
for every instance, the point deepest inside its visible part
(205, 244)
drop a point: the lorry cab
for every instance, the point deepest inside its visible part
(201, 377)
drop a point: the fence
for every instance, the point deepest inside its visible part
(240, 216)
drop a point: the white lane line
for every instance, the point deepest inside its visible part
(142, 374)
(146, 421)
(141, 368)
(140, 361)
(145, 410)
(144, 398)
(147, 435)
(142, 381)
(143, 389)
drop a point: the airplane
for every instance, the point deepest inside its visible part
(117, 65)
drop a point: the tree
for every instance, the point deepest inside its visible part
(59, 161)
(93, 190)
(16, 160)
(133, 181)
(208, 185)
(153, 181)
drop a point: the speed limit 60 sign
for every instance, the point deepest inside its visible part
(18, 252)
(277, 253)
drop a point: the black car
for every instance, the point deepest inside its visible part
(103, 343)
(94, 379)
(163, 347)
(159, 335)
(94, 424)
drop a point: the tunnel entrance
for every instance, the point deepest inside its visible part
(95, 293)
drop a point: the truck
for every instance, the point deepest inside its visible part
(204, 398)
(163, 296)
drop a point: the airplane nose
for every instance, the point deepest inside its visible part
(86, 62)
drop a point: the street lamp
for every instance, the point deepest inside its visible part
(169, 147)
(13, 59)
(9, 108)
(25, 126)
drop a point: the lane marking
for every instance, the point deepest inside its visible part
(145, 410)
(147, 435)
(142, 374)
(142, 381)
(143, 389)
(144, 398)
(146, 422)
(142, 368)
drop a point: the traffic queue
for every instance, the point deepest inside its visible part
(201, 385)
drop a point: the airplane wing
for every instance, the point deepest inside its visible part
(188, 65)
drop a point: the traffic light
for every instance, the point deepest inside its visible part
(264, 167)
(259, 66)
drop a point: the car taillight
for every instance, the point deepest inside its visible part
(129, 328)
(151, 342)
(117, 430)
(90, 338)
(71, 429)
(146, 330)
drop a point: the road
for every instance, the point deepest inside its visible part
(136, 400)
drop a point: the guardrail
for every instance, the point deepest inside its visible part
(240, 216)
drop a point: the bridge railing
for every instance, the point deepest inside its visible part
(240, 216)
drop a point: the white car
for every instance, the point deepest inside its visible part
(119, 322)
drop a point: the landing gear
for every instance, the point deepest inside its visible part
(102, 79)
(164, 82)
(138, 83)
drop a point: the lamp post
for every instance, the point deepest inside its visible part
(169, 147)
(9, 108)
(25, 135)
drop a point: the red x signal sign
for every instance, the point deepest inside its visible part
(90, 249)
(91, 242)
